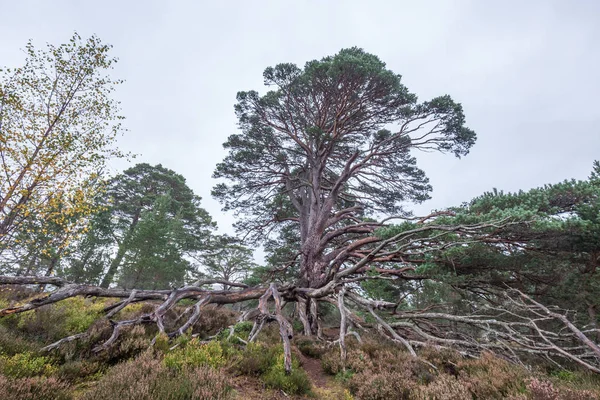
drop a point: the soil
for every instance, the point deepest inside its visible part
(315, 371)
(249, 388)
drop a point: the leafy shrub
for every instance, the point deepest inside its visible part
(55, 321)
(12, 343)
(33, 389)
(78, 370)
(195, 354)
(23, 365)
(146, 378)
(212, 320)
(309, 347)
(243, 328)
(256, 359)
(296, 382)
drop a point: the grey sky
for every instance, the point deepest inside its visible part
(526, 73)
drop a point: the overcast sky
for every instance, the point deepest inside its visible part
(526, 72)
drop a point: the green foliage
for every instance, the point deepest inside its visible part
(22, 365)
(71, 316)
(196, 354)
(155, 256)
(296, 382)
(154, 220)
(59, 128)
(228, 260)
(309, 347)
(269, 137)
(266, 362)
(256, 359)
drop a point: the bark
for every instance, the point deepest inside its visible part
(302, 305)
(342, 326)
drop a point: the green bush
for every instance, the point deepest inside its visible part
(23, 365)
(77, 371)
(196, 354)
(12, 343)
(256, 359)
(212, 320)
(56, 321)
(243, 328)
(309, 347)
(296, 382)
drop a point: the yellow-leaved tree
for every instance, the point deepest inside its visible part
(58, 127)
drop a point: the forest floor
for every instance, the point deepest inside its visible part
(223, 369)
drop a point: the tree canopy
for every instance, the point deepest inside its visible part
(58, 126)
(329, 145)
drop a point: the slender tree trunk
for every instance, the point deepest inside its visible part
(593, 320)
(116, 263)
(51, 267)
(114, 266)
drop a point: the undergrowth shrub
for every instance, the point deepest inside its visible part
(309, 347)
(23, 365)
(446, 360)
(386, 385)
(356, 361)
(147, 378)
(444, 387)
(212, 320)
(12, 343)
(196, 354)
(255, 359)
(545, 390)
(490, 377)
(36, 388)
(296, 382)
(240, 330)
(79, 370)
(55, 321)
(266, 362)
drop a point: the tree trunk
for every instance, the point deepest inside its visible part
(114, 266)
(593, 321)
(116, 263)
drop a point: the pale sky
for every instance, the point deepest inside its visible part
(526, 72)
